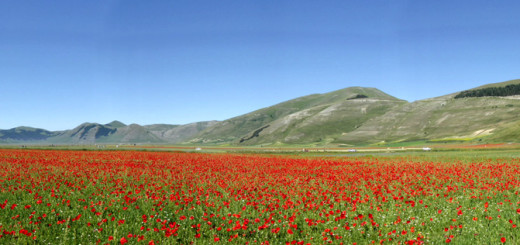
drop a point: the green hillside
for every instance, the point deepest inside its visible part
(178, 133)
(500, 84)
(86, 133)
(443, 119)
(305, 119)
(504, 89)
(22, 134)
(347, 117)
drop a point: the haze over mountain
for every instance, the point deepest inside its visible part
(351, 116)
(113, 132)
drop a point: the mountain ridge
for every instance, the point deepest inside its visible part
(351, 116)
(113, 132)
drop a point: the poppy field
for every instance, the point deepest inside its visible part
(131, 197)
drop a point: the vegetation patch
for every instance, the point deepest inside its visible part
(358, 96)
(256, 133)
(509, 90)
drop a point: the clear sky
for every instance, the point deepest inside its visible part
(63, 63)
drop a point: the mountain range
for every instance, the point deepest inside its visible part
(113, 132)
(350, 116)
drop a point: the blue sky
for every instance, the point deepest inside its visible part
(176, 62)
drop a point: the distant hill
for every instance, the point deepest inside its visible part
(23, 134)
(113, 132)
(179, 133)
(350, 116)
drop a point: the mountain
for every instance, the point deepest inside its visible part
(444, 118)
(350, 116)
(90, 133)
(115, 124)
(20, 134)
(312, 118)
(113, 132)
(366, 115)
(178, 133)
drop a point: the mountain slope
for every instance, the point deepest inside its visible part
(305, 119)
(86, 133)
(21, 134)
(178, 133)
(132, 133)
(500, 84)
(441, 119)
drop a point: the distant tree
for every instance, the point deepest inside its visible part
(358, 96)
(513, 89)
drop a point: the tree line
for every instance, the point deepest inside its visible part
(513, 89)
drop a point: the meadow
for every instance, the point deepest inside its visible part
(140, 197)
